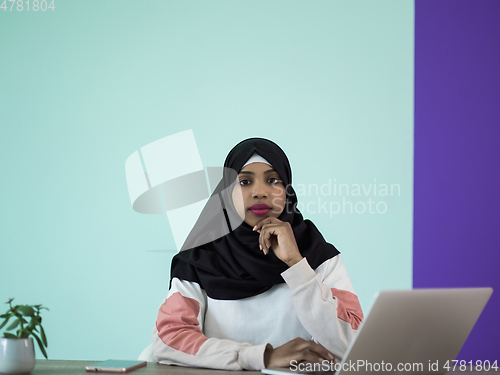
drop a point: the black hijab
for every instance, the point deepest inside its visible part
(222, 252)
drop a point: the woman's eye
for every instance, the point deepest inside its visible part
(274, 181)
(244, 182)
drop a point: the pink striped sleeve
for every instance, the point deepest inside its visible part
(348, 307)
(178, 325)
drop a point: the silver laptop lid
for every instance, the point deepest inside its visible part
(419, 330)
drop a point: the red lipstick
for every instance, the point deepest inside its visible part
(260, 209)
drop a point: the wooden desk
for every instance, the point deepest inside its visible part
(53, 367)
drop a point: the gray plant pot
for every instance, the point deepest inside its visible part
(17, 356)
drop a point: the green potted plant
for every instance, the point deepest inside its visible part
(17, 352)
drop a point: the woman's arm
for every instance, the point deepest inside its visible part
(326, 303)
(178, 335)
(324, 298)
(178, 338)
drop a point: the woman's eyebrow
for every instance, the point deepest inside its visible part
(250, 172)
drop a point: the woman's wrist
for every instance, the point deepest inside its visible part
(294, 260)
(267, 354)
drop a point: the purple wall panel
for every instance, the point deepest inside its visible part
(457, 157)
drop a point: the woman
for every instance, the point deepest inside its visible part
(255, 284)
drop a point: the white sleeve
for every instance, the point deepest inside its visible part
(326, 303)
(178, 335)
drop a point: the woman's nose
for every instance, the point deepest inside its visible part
(259, 190)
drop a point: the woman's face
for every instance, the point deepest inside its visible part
(259, 193)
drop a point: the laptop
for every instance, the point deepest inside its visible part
(419, 331)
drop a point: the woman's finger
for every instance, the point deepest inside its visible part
(311, 356)
(267, 220)
(264, 233)
(265, 239)
(321, 351)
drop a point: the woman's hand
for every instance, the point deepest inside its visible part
(278, 235)
(299, 350)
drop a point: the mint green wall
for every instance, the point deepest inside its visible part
(84, 86)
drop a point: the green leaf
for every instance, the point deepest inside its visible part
(5, 322)
(40, 345)
(6, 315)
(13, 325)
(32, 324)
(26, 310)
(24, 333)
(9, 335)
(44, 338)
